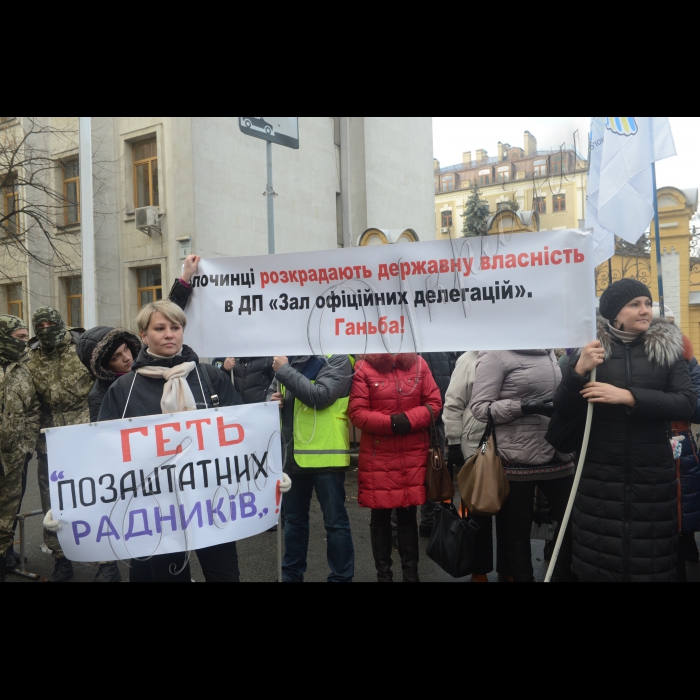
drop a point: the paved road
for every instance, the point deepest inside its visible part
(258, 556)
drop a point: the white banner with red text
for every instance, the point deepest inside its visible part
(519, 292)
(164, 484)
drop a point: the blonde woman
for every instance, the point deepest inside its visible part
(152, 388)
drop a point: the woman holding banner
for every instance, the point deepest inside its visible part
(626, 517)
(168, 378)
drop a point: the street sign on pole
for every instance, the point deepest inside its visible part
(280, 130)
(87, 224)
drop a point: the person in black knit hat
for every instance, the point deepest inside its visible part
(618, 295)
(625, 520)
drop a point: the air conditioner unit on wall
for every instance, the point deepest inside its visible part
(444, 230)
(148, 219)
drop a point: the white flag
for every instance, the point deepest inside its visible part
(621, 190)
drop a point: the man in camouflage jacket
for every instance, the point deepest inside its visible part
(19, 427)
(63, 385)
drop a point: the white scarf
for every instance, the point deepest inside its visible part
(177, 395)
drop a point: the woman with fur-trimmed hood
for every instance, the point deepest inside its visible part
(390, 402)
(625, 521)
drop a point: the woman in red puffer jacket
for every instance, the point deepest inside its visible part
(388, 403)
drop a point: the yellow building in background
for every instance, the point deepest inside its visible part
(680, 261)
(553, 184)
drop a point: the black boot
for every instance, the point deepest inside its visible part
(2, 570)
(428, 519)
(108, 573)
(11, 561)
(410, 553)
(381, 548)
(63, 571)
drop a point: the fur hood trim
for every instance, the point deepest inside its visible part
(105, 345)
(385, 363)
(663, 342)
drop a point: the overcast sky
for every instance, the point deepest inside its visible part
(454, 135)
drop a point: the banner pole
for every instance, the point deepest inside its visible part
(574, 490)
(662, 302)
(279, 549)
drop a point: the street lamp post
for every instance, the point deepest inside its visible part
(87, 224)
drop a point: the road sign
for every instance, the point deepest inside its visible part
(281, 130)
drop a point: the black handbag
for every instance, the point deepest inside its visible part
(453, 543)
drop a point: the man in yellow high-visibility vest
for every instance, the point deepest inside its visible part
(313, 393)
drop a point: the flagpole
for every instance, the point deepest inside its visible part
(662, 304)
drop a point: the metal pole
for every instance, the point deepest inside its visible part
(270, 203)
(662, 303)
(574, 490)
(279, 549)
(87, 224)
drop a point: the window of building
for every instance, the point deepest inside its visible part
(540, 205)
(74, 295)
(150, 285)
(559, 203)
(448, 184)
(71, 191)
(504, 174)
(559, 165)
(146, 174)
(446, 219)
(15, 305)
(10, 208)
(484, 177)
(540, 168)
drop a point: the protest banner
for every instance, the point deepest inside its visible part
(165, 484)
(517, 292)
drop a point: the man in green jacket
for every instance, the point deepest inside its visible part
(313, 393)
(63, 385)
(19, 427)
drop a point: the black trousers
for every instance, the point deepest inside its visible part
(407, 517)
(515, 523)
(483, 556)
(219, 564)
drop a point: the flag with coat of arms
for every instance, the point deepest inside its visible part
(621, 191)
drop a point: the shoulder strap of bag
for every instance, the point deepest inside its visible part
(434, 442)
(492, 428)
(207, 380)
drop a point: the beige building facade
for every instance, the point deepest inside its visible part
(552, 183)
(205, 179)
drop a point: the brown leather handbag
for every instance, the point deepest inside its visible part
(438, 482)
(483, 483)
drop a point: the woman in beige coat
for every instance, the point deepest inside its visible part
(464, 433)
(518, 388)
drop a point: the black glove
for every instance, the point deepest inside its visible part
(455, 456)
(539, 408)
(400, 424)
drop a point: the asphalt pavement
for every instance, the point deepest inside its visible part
(258, 556)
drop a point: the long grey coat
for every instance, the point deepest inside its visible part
(506, 379)
(460, 425)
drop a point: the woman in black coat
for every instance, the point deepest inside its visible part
(151, 389)
(625, 522)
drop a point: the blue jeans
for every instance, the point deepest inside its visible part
(330, 491)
